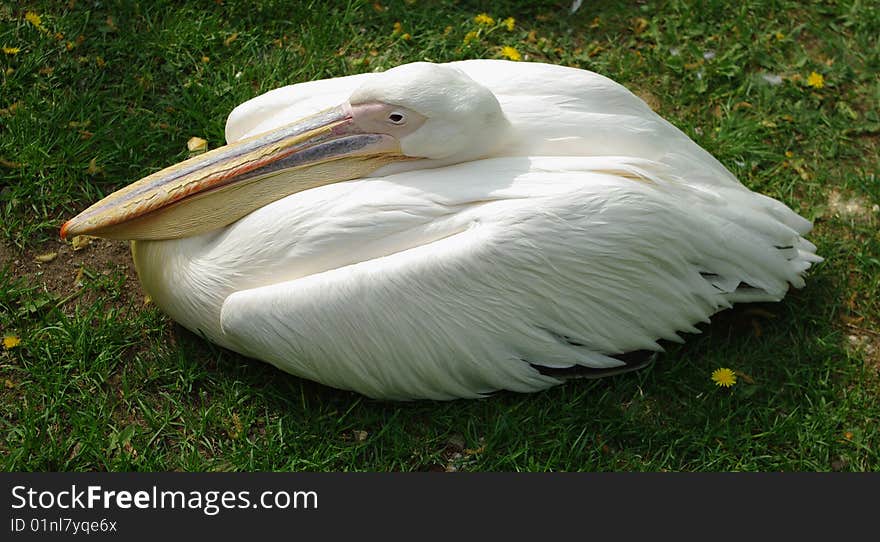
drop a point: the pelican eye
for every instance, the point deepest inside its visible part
(397, 118)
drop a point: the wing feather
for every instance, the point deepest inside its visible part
(546, 261)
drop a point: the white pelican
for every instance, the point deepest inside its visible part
(449, 230)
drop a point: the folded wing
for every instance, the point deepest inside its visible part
(545, 261)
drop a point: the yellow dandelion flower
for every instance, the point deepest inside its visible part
(510, 53)
(406, 36)
(10, 342)
(724, 377)
(11, 50)
(779, 36)
(469, 37)
(815, 80)
(484, 19)
(34, 19)
(509, 23)
(398, 28)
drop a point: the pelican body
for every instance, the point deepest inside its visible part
(450, 230)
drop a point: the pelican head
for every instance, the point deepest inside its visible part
(422, 112)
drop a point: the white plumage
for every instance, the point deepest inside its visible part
(582, 226)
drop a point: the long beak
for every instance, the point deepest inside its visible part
(217, 188)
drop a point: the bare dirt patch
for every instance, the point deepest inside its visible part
(62, 271)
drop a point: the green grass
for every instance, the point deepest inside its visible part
(101, 381)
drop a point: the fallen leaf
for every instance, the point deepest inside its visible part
(760, 312)
(81, 241)
(746, 378)
(230, 39)
(9, 164)
(93, 168)
(46, 258)
(196, 144)
(639, 25)
(9, 384)
(756, 327)
(11, 109)
(359, 435)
